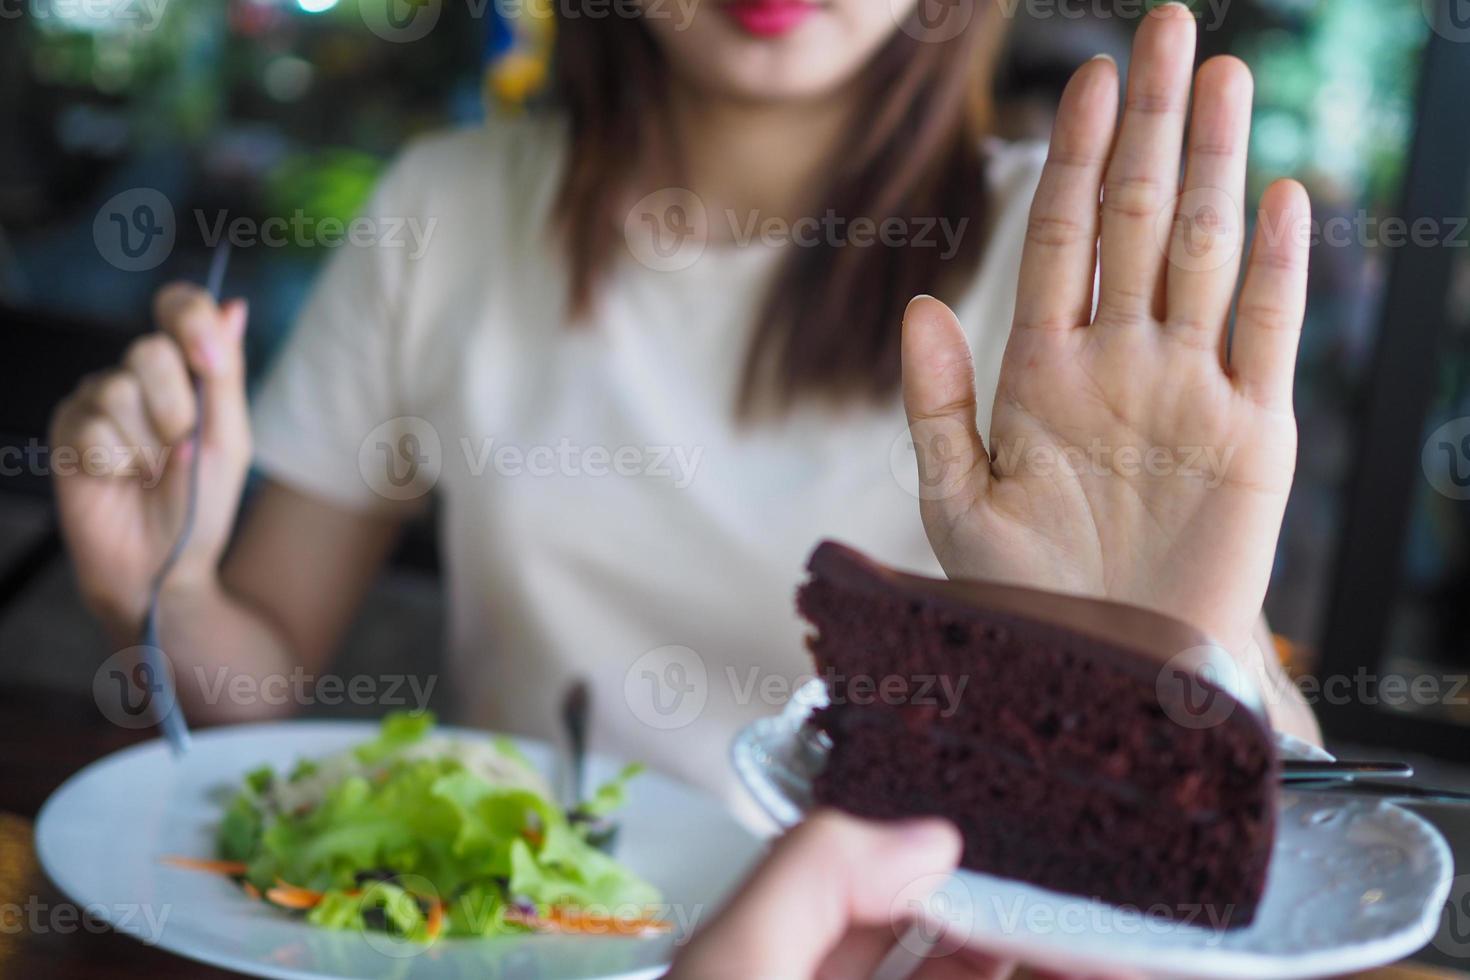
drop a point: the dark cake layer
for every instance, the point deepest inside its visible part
(1034, 722)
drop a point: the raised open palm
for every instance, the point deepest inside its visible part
(1134, 452)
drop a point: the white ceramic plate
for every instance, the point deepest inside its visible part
(101, 835)
(1354, 883)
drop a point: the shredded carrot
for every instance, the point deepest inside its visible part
(232, 868)
(435, 924)
(251, 891)
(290, 896)
(572, 921)
(533, 836)
(288, 899)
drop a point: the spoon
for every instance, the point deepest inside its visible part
(576, 708)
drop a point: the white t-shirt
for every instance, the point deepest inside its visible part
(602, 513)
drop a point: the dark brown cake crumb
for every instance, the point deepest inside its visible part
(1034, 722)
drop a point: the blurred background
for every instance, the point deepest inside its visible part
(289, 109)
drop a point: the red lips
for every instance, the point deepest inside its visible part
(768, 18)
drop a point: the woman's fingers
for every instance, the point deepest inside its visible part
(1273, 301)
(81, 428)
(118, 397)
(832, 874)
(1206, 240)
(168, 396)
(1143, 177)
(939, 397)
(211, 338)
(1060, 257)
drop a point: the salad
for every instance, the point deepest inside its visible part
(423, 835)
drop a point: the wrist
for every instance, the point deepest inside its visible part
(123, 619)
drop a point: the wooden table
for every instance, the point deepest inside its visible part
(44, 738)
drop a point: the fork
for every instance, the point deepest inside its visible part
(165, 695)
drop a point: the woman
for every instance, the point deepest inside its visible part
(564, 380)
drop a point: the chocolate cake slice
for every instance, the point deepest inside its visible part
(1080, 745)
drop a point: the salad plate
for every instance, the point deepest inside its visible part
(109, 835)
(1354, 883)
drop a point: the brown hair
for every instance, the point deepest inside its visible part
(829, 327)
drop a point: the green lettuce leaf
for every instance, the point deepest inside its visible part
(400, 729)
